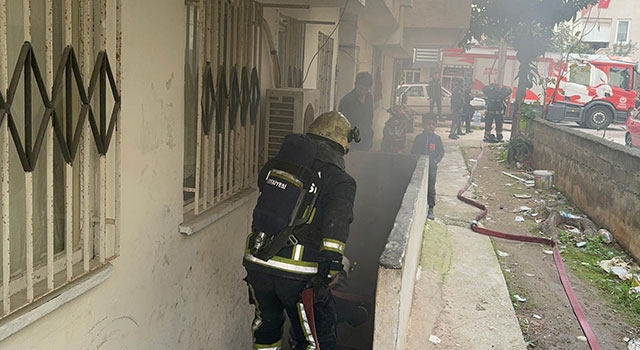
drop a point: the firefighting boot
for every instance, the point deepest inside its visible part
(490, 138)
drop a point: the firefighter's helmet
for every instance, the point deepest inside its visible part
(335, 127)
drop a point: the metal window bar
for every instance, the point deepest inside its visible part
(58, 123)
(229, 92)
(4, 162)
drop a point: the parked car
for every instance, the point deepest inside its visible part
(415, 97)
(632, 136)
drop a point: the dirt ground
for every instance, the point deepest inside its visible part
(546, 317)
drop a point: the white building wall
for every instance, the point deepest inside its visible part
(329, 14)
(603, 23)
(167, 291)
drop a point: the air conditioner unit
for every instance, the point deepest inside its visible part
(289, 110)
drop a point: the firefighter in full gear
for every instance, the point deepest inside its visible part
(496, 96)
(313, 255)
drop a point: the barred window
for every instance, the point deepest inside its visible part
(59, 105)
(221, 94)
(291, 43)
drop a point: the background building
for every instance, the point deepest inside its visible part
(613, 26)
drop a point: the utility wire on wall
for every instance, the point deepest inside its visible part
(306, 74)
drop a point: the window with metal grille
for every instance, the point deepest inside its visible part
(59, 145)
(291, 41)
(222, 95)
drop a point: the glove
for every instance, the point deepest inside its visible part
(320, 282)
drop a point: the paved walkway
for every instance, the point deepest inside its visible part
(461, 299)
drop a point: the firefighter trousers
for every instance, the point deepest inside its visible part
(273, 296)
(489, 119)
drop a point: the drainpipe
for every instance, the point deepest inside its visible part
(275, 63)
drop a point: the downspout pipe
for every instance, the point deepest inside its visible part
(275, 63)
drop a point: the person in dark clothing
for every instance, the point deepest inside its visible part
(457, 109)
(434, 90)
(313, 255)
(430, 144)
(496, 96)
(357, 106)
(468, 109)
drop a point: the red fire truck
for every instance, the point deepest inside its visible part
(593, 90)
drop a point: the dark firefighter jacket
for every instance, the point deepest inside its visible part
(496, 96)
(324, 238)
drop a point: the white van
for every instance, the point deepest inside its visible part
(415, 97)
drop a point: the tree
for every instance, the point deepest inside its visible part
(528, 25)
(622, 49)
(565, 39)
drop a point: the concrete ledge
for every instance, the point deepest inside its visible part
(399, 263)
(193, 224)
(53, 302)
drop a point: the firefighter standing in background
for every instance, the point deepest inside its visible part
(457, 111)
(315, 253)
(468, 108)
(496, 96)
(434, 91)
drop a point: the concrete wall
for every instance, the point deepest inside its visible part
(436, 23)
(600, 177)
(442, 14)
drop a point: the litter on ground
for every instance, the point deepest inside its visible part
(529, 183)
(501, 253)
(570, 216)
(572, 229)
(633, 344)
(618, 266)
(434, 339)
(522, 209)
(607, 237)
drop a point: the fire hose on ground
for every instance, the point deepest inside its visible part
(562, 273)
